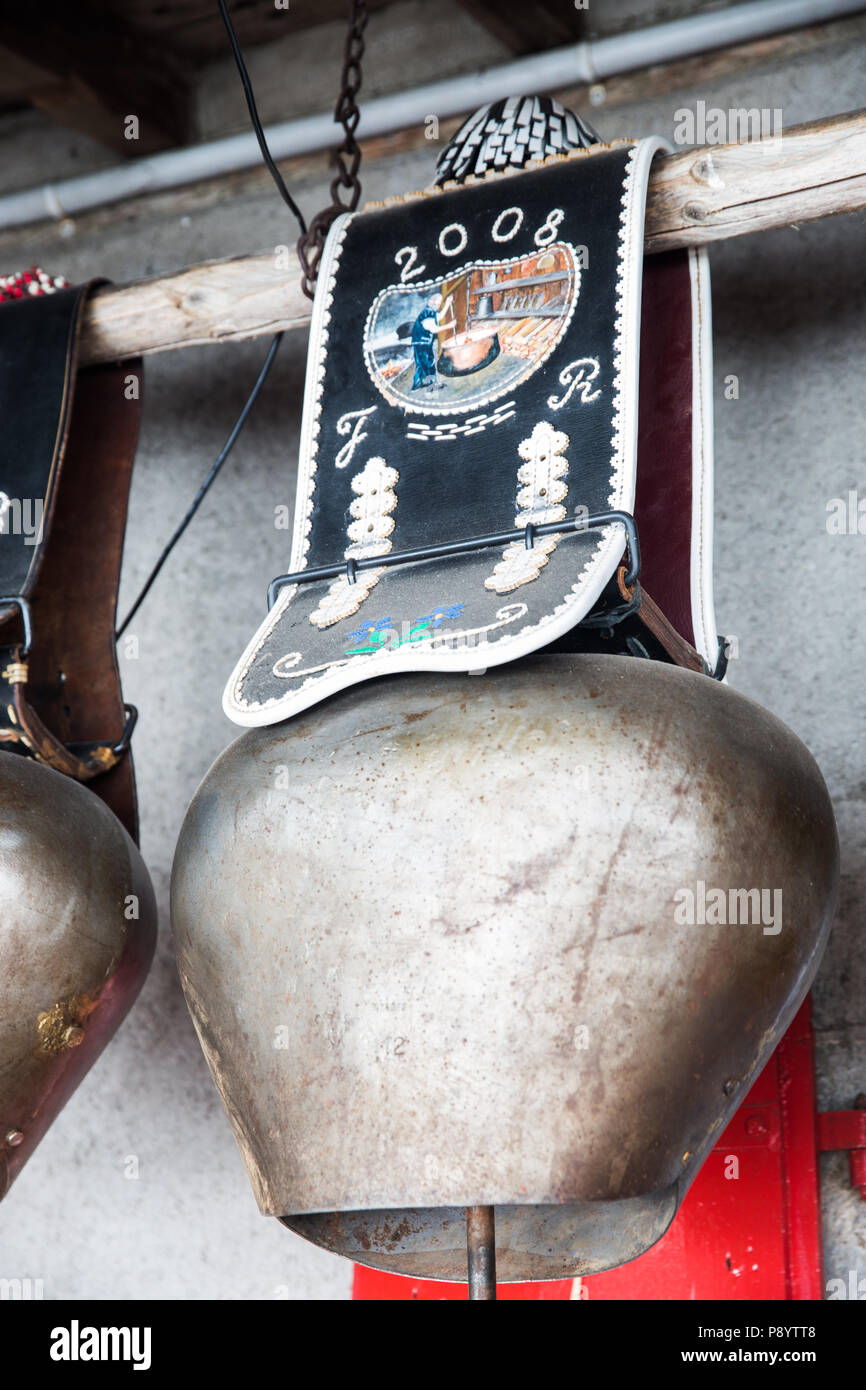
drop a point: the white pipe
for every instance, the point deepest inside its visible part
(542, 72)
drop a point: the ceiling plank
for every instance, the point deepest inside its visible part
(529, 26)
(91, 72)
(194, 29)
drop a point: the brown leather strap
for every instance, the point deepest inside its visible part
(74, 681)
(27, 733)
(681, 652)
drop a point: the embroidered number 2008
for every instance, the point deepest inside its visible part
(501, 230)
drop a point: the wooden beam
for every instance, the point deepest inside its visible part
(710, 194)
(695, 197)
(88, 70)
(218, 302)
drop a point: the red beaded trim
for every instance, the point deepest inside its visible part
(32, 281)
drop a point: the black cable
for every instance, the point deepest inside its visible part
(202, 492)
(254, 117)
(272, 350)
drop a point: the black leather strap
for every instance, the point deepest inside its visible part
(38, 349)
(44, 699)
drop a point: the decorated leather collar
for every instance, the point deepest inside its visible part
(468, 461)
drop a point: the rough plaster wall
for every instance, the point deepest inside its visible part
(789, 322)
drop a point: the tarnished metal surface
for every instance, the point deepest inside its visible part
(430, 934)
(532, 1242)
(77, 932)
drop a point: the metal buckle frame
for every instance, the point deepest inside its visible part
(123, 742)
(527, 534)
(16, 601)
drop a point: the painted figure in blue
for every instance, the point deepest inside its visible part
(425, 331)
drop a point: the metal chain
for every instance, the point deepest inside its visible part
(348, 156)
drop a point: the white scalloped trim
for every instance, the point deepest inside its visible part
(703, 607)
(626, 355)
(311, 419)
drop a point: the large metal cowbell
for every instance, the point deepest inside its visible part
(430, 941)
(483, 963)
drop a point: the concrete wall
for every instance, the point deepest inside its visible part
(789, 323)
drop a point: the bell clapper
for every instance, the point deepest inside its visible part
(481, 1252)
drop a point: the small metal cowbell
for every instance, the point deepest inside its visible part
(77, 933)
(520, 942)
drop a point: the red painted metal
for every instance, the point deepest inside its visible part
(750, 1227)
(373, 1284)
(846, 1129)
(795, 1071)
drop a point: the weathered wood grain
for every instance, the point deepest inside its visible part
(706, 195)
(695, 197)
